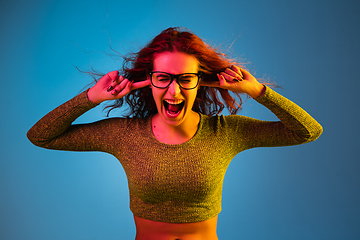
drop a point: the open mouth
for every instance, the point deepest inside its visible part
(173, 107)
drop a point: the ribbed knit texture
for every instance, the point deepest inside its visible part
(177, 183)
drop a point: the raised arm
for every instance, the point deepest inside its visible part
(55, 130)
(296, 126)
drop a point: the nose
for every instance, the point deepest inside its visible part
(174, 88)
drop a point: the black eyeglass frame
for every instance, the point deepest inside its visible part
(176, 77)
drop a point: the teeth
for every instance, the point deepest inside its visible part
(171, 101)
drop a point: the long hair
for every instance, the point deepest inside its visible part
(137, 65)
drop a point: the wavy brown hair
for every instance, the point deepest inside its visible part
(137, 65)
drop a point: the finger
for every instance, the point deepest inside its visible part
(237, 70)
(120, 79)
(125, 90)
(231, 73)
(109, 88)
(227, 76)
(115, 81)
(112, 85)
(141, 84)
(246, 75)
(222, 79)
(210, 84)
(111, 77)
(219, 84)
(235, 77)
(119, 87)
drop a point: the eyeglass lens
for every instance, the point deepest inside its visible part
(163, 80)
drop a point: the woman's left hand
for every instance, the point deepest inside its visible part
(237, 80)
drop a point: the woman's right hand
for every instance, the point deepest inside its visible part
(112, 86)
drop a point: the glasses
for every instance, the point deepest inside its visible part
(186, 81)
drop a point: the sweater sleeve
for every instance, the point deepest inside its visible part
(295, 127)
(56, 131)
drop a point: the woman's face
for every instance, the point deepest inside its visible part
(173, 103)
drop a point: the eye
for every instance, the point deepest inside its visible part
(187, 78)
(184, 81)
(163, 77)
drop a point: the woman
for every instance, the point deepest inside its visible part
(172, 145)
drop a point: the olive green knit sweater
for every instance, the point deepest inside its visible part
(175, 183)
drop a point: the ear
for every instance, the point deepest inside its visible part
(200, 81)
(148, 78)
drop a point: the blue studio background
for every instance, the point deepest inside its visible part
(310, 48)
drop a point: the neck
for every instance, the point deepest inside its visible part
(174, 134)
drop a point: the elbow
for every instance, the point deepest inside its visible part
(30, 135)
(314, 133)
(34, 139)
(311, 134)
